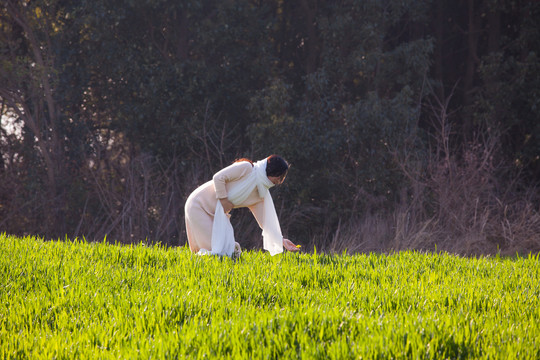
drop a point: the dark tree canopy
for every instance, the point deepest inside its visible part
(404, 112)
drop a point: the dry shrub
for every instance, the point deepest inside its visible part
(464, 200)
(473, 197)
(136, 197)
(468, 220)
(516, 226)
(366, 234)
(137, 200)
(26, 207)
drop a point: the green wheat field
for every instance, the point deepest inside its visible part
(79, 300)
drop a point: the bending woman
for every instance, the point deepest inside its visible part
(242, 184)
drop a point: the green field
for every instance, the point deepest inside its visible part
(64, 299)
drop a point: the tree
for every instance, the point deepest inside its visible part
(342, 118)
(30, 35)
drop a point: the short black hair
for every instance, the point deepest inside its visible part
(276, 166)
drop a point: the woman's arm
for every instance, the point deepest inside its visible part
(288, 244)
(226, 204)
(258, 212)
(230, 173)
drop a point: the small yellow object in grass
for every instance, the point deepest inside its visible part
(299, 246)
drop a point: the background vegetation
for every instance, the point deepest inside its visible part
(63, 299)
(409, 124)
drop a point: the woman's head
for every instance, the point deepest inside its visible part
(276, 168)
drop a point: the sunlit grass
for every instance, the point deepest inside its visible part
(63, 299)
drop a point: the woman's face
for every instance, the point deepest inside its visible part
(277, 180)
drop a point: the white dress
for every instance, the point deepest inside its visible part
(201, 204)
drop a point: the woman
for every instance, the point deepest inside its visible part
(242, 184)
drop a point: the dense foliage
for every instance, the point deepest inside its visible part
(424, 111)
(94, 300)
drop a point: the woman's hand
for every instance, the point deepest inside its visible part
(288, 244)
(227, 205)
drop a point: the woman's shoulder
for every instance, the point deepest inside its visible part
(234, 171)
(242, 164)
(243, 160)
(242, 168)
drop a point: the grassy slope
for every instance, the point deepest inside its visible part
(80, 300)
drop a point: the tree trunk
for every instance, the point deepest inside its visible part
(182, 33)
(311, 43)
(494, 30)
(472, 61)
(38, 109)
(439, 45)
